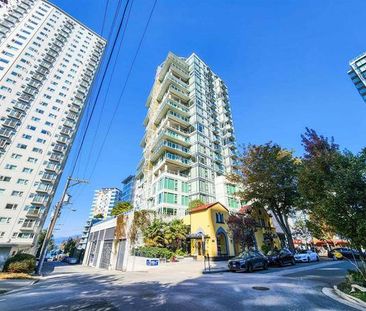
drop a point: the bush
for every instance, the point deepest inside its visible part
(265, 249)
(20, 263)
(356, 277)
(153, 252)
(180, 252)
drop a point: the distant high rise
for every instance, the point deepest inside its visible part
(47, 64)
(128, 185)
(189, 138)
(357, 73)
(104, 201)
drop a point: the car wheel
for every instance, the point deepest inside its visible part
(317, 258)
(250, 268)
(265, 266)
(308, 259)
(292, 262)
(281, 263)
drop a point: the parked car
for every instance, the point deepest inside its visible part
(306, 256)
(248, 261)
(70, 260)
(281, 257)
(346, 253)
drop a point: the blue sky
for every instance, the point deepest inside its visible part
(285, 63)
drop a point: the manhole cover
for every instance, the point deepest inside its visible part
(260, 288)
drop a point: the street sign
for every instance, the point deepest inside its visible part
(152, 262)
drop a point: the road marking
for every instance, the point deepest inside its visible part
(301, 269)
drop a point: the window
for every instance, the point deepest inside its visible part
(17, 193)
(27, 170)
(22, 181)
(10, 167)
(26, 136)
(32, 160)
(185, 187)
(5, 220)
(21, 146)
(185, 200)
(220, 218)
(5, 178)
(11, 206)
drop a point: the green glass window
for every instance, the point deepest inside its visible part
(233, 203)
(185, 200)
(230, 189)
(185, 187)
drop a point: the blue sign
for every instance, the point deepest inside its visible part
(152, 262)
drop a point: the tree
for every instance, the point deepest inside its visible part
(120, 208)
(69, 246)
(195, 203)
(170, 235)
(300, 230)
(242, 227)
(98, 216)
(332, 184)
(41, 237)
(267, 175)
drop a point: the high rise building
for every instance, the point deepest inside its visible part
(47, 64)
(357, 73)
(104, 201)
(189, 139)
(128, 186)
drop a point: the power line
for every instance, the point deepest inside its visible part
(124, 86)
(104, 17)
(107, 89)
(100, 86)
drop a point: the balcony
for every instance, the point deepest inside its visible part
(45, 188)
(16, 114)
(7, 133)
(49, 177)
(178, 117)
(21, 106)
(166, 145)
(59, 148)
(56, 157)
(39, 199)
(66, 131)
(170, 104)
(28, 226)
(175, 86)
(3, 144)
(72, 116)
(28, 95)
(177, 66)
(70, 124)
(53, 167)
(63, 139)
(175, 162)
(11, 123)
(34, 213)
(174, 137)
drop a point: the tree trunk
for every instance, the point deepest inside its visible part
(286, 230)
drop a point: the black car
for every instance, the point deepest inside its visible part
(346, 253)
(281, 257)
(248, 261)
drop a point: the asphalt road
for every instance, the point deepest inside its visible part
(179, 288)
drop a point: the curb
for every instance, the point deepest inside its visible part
(214, 271)
(349, 297)
(331, 293)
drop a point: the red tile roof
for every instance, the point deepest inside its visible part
(204, 207)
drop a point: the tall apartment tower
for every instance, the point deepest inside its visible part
(104, 201)
(128, 187)
(189, 140)
(357, 73)
(47, 64)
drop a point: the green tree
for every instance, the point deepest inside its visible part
(41, 237)
(332, 184)
(267, 175)
(121, 207)
(69, 246)
(98, 216)
(195, 203)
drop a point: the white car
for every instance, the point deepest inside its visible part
(306, 256)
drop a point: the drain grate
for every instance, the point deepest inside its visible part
(260, 288)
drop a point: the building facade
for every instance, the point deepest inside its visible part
(47, 64)
(128, 187)
(104, 200)
(357, 73)
(189, 139)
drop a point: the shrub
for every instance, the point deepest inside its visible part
(20, 263)
(180, 252)
(153, 252)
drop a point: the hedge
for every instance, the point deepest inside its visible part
(20, 263)
(153, 252)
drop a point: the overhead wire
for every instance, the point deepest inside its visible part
(124, 87)
(100, 87)
(107, 90)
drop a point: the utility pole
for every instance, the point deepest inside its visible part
(55, 216)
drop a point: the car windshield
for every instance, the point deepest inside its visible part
(246, 254)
